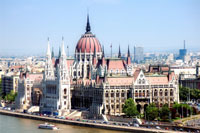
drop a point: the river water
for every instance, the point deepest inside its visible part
(9, 124)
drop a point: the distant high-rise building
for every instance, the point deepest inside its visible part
(182, 52)
(138, 54)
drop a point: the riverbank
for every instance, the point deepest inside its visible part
(79, 123)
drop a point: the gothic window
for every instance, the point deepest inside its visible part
(65, 91)
(112, 94)
(143, 94)
(106, 94)
(136, 93)
(171, 92)
(140, 93)
(143, 81)
(117, 71)
(122, 94)
(161, 92)
(117, 106)
(155, 93)
(166, 92)
(117, 94)
(139, 81)
(148, 93)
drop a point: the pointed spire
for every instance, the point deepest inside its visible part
(88, 25)
(52, 53)
(128, 51)
(119, 54)
(128, 58)
(59, 53)
(63, 48)
(103, 54)
(48, 48)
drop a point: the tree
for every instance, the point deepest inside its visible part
(185, 93)
(164, 112)
(152, 111)
(11, 96)
(129, 108)
(182, 110)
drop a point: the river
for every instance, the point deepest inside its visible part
(9, 124)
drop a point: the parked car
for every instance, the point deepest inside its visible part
(114, 123)
(120, 124)
(157, 127)
(166, 128)
(126, 124)
(105, 122)
(136, 125)
(151, 123)
(181, 129)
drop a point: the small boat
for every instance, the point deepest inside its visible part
(47, 126)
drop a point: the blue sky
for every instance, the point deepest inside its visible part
(157, 25)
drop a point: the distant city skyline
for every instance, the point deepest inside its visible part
(158, 26)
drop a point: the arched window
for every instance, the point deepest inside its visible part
(155, 93)
(143, 81)
(65, 91)
(140, 93)
(139, 81)
(148, 93)
(161, 92)
(171, 92)
(166, 92)
(136, 93)
(143, 94)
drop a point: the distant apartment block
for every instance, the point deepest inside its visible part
(138, 54)
(9, 82)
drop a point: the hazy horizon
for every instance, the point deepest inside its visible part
(158, 26)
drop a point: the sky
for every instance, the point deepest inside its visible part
(156, 25)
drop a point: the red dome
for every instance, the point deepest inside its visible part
(88, 41)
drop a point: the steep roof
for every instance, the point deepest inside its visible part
(115, 64)
(120, 81)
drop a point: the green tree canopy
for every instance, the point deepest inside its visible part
(11, 96)
(164, 112)
(151, 111)
(129, 108)
(185, 93)
(182, 110)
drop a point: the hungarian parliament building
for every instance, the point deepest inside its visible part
(94, 82)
